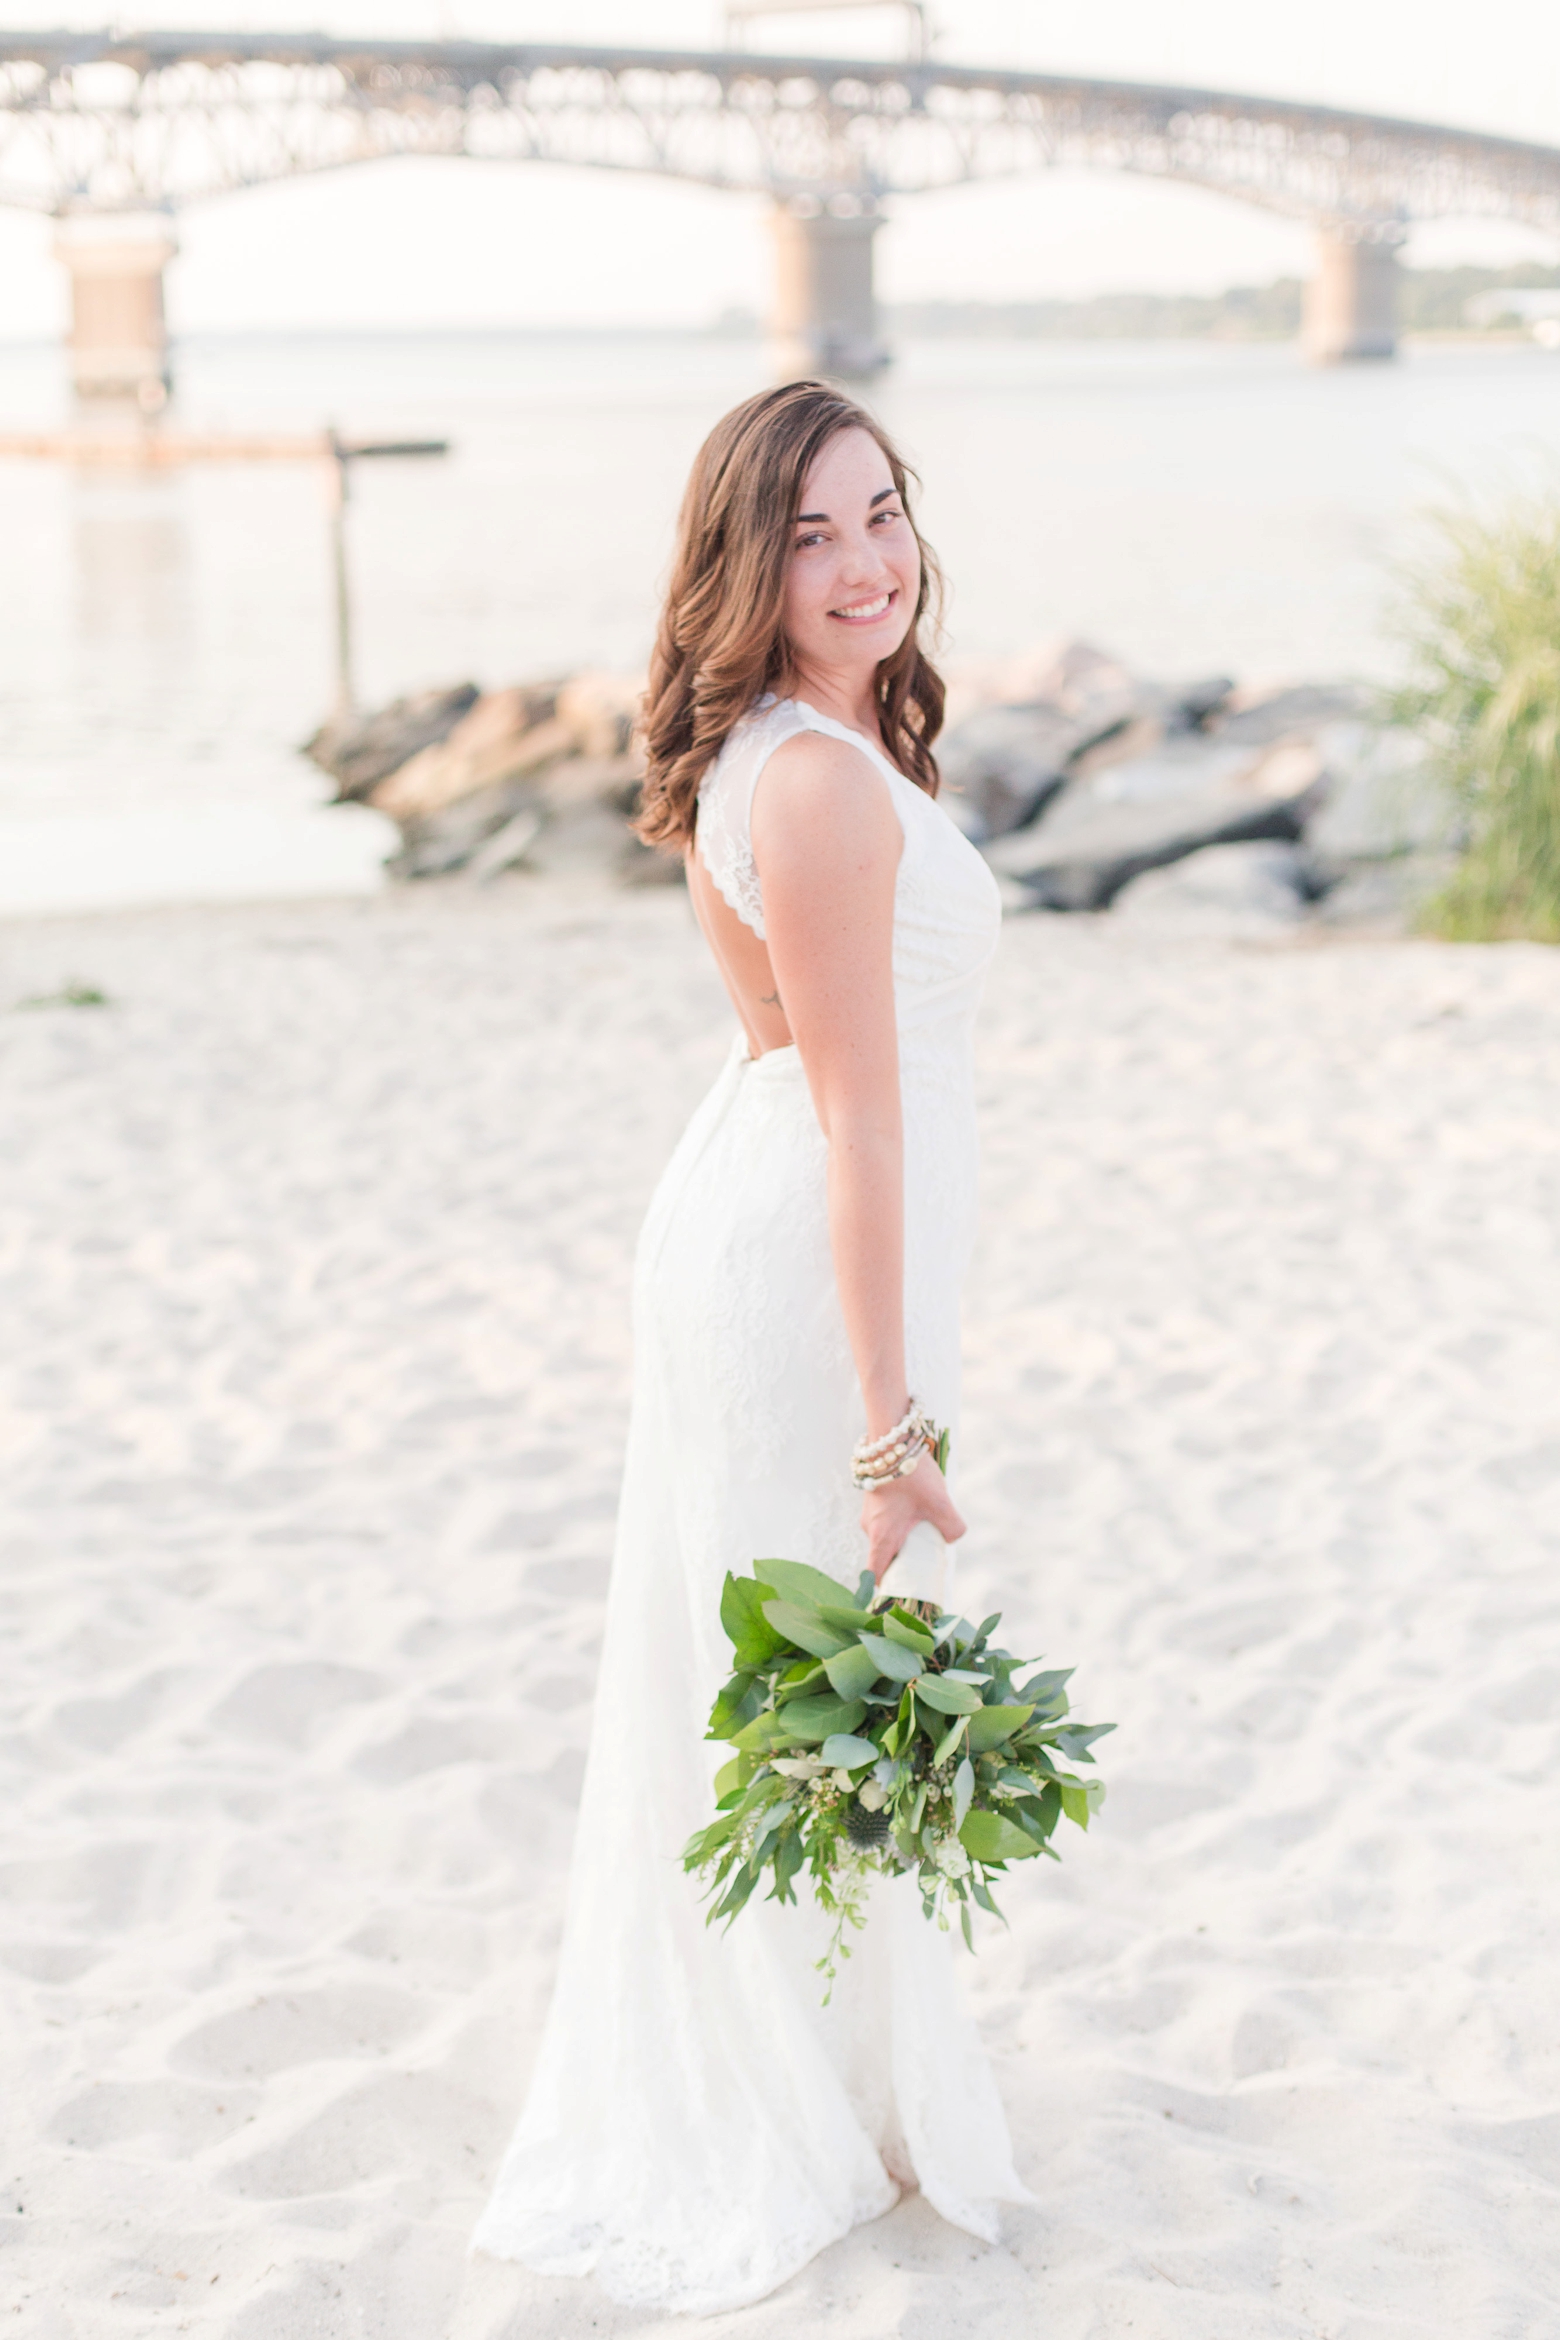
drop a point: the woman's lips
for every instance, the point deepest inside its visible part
(866, 613)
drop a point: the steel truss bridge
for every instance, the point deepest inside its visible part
(95, 124)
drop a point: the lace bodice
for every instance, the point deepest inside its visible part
(946, 907)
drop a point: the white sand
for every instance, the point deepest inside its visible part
(315, 1365)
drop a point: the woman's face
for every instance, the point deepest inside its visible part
(855, 569)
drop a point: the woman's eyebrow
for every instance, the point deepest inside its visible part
(877, 499)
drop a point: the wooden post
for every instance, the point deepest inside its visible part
(337, 490)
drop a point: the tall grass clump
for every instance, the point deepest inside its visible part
(1481, 621)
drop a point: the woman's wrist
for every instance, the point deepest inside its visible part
(884, 1410)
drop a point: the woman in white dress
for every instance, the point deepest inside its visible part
(699, 2125)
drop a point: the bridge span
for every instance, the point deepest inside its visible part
(112, 133)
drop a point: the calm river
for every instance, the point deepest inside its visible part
(164, 641)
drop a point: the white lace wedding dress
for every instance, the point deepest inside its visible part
(699, 2125)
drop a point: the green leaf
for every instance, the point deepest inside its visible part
(986, 1836)
(982, 1894)
(741, 1699)
(963, 1790)
(894, 1660)
(764, 1732)
(790, 1853)
(947, 1697)
(994, 1724)
(1075, 1803)
(816, 1719)
(742, 1615)
(795, 1581)
(910, 1635)
(742, 1886)
(1035, 1817)
(1078, 1738)
(1047, 1689)
(805, 1628)
(732, 1775)
(848, 1753)
(950, 1737)
(853, 1671)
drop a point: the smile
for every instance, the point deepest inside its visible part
(861, 612)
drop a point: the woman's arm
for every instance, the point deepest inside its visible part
(826, 842)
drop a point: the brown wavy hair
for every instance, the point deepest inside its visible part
(721, 641)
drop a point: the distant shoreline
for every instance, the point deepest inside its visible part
(1433, 303)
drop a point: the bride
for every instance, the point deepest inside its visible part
(699, 2124)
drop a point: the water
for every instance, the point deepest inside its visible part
(165, 641)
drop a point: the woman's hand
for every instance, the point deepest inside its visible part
(888, 1513)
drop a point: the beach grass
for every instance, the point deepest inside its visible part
(1481, 620)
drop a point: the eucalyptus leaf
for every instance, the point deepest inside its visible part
(853, 1671)
(994, 1724)
(963, 1790)
(817, 1719)
(946, 1697)
(845, 1752)
(910, 1635)
(986, 1836)
(795, 1581)
(805, 1628)
(894, 1660)
(741, 1614)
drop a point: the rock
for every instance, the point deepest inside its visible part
(600, 711)
(1256, 718)
(368, 748)
(1003, 761)
(1003, 764)
(508, 846)
(612, 781)
(1384, 897)
(1225, 890)
(1380, 801)
(1108, 829)
(504, 735)
(1194, 705)
(436, 843)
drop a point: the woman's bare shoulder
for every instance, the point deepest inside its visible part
(825, 787)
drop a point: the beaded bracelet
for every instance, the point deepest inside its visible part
(875, 1461)
(865, 1449)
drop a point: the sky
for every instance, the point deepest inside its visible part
(445, 244)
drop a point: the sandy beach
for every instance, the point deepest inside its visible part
(316, 1247)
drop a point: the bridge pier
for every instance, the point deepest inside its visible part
(118, 330)
(1351, 298)
(824, 318)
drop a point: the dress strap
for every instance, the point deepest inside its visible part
(724, 831)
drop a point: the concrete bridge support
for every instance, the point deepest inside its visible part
(119, 333)
(1351, 299)
(824, 319)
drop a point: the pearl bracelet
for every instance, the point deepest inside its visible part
(865, 1449)
(875, 1461)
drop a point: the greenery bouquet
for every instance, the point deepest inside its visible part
(879, 1737)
